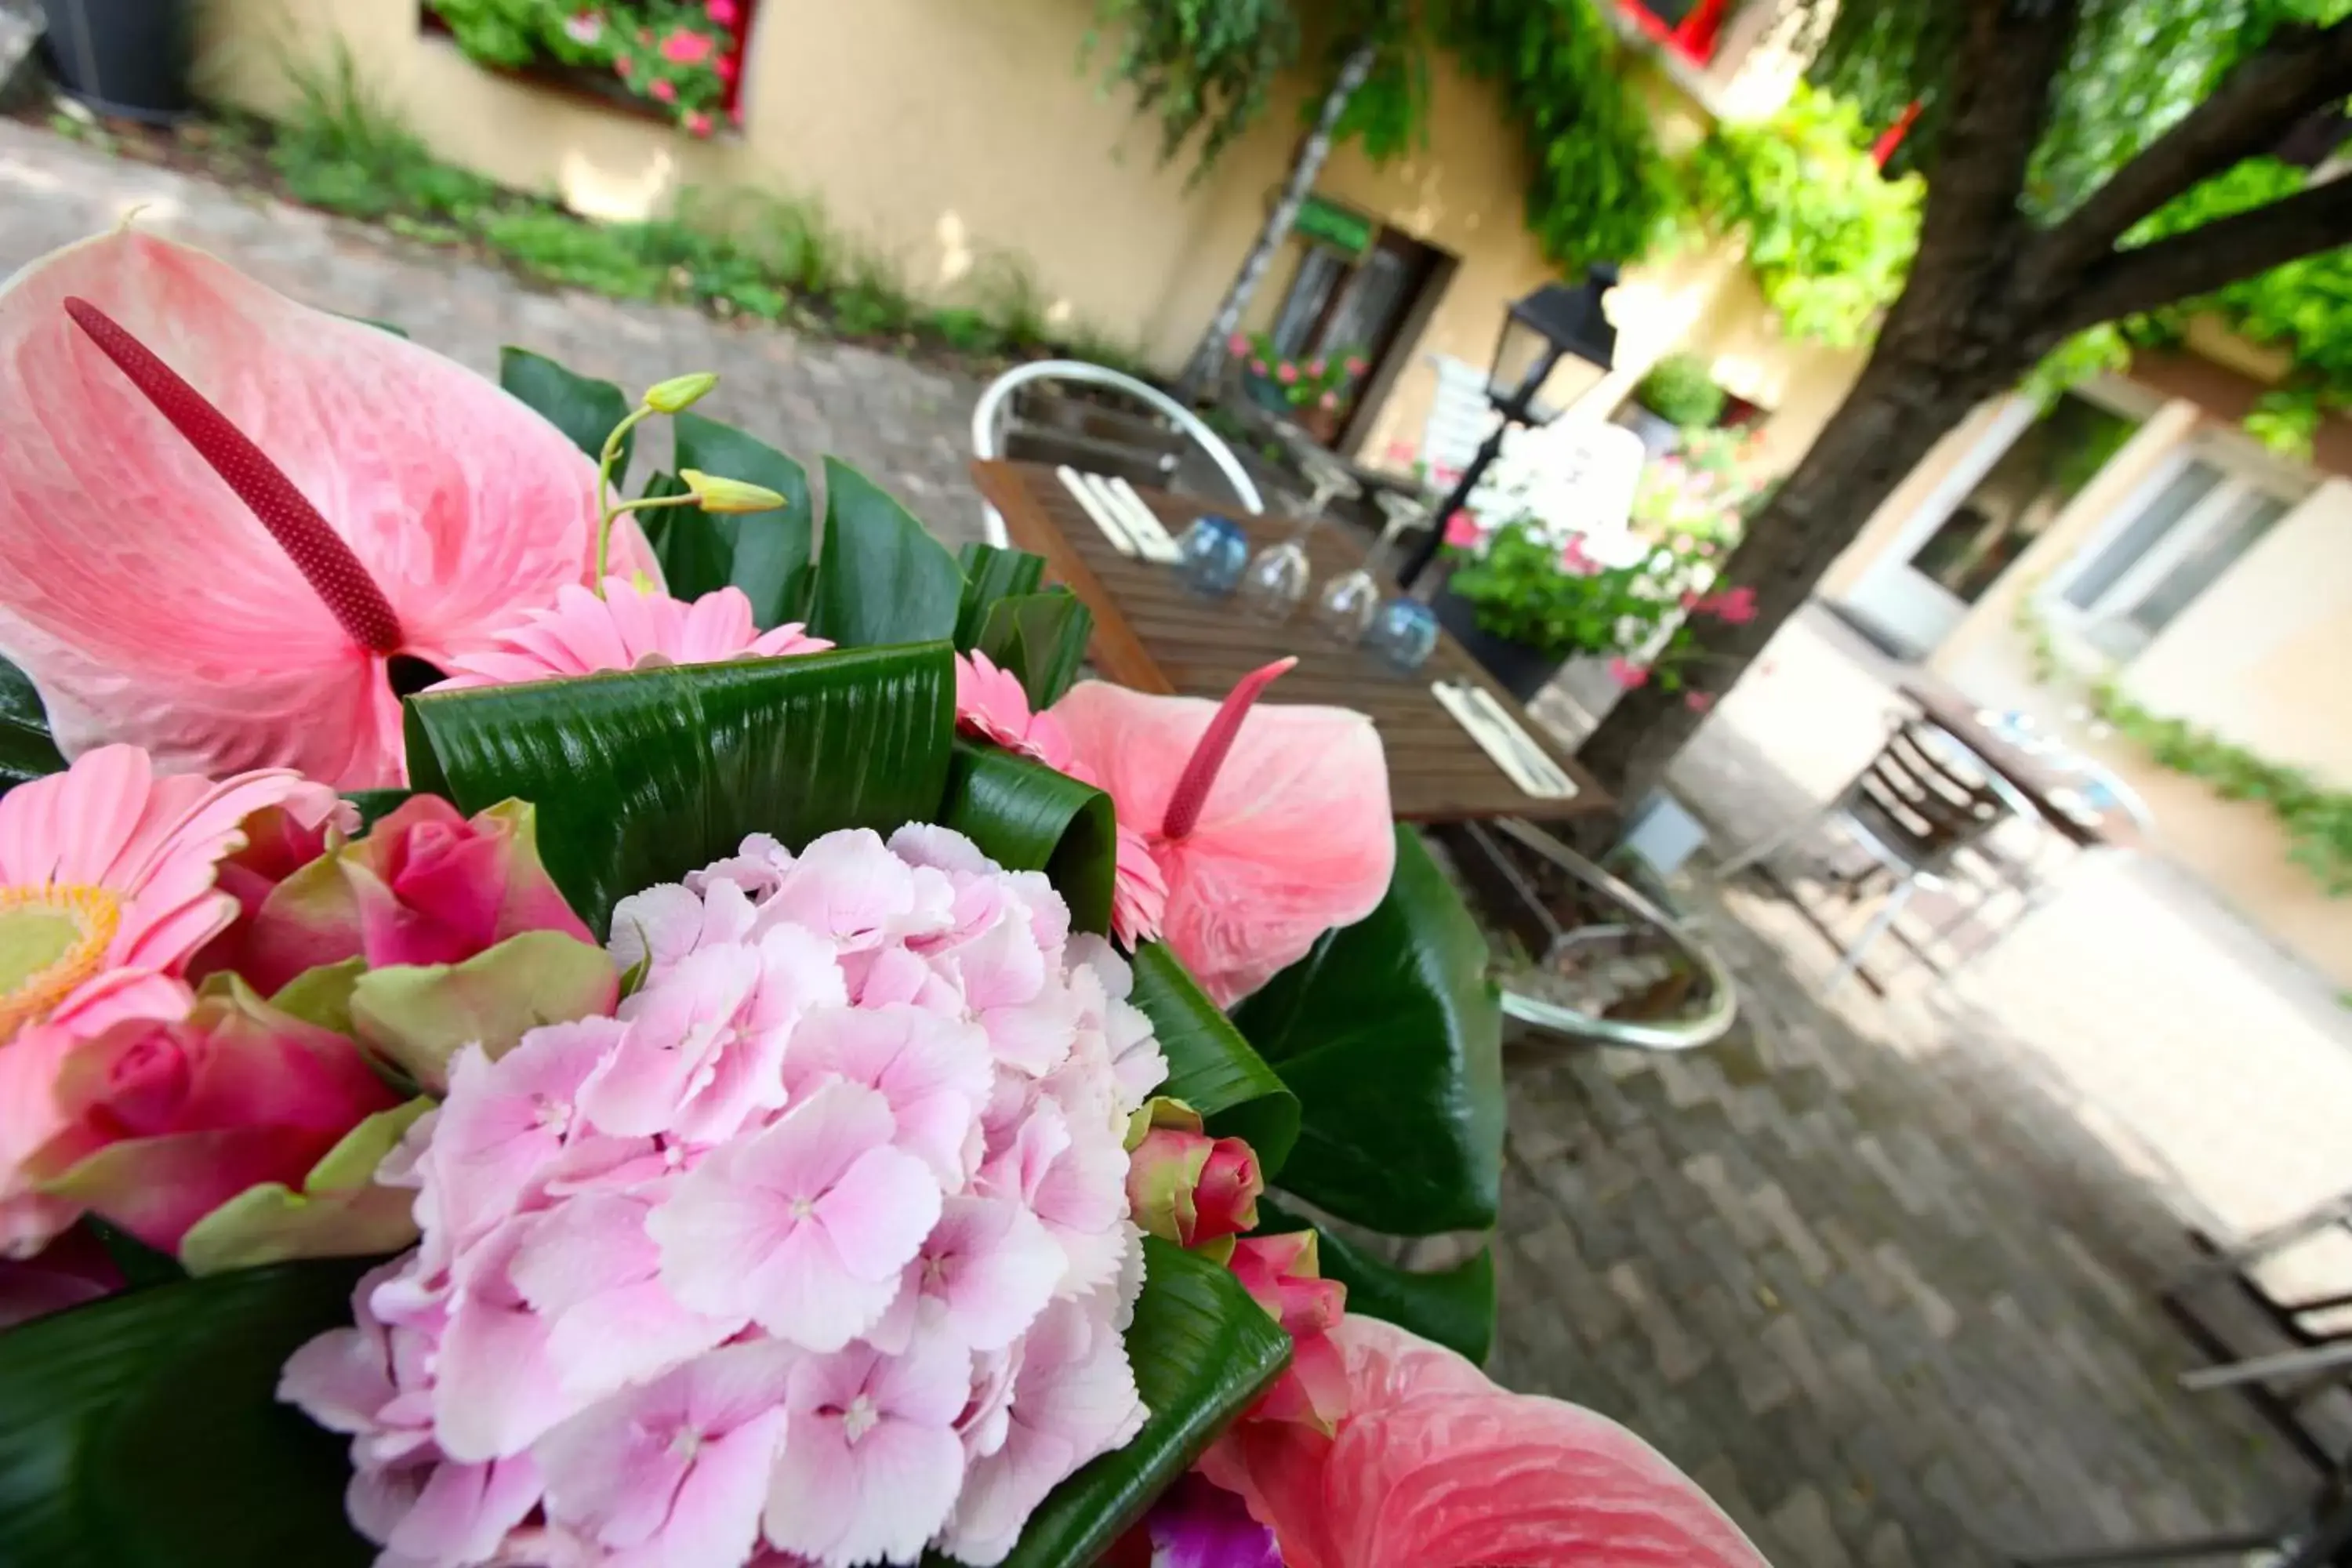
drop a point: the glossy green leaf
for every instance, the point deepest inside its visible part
(1211, 1068)
(765, 553)
(583, 408)
(1203, 1351)
(142, 1431)
(989, 574)
(26, 749)
(882, 578)
(1026, 816)
(644, 776)
(1455, 1307)
(1040, 637)
(1389, 1032)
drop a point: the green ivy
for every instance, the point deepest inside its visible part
(1829, 236)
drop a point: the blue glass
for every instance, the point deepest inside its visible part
(1404, 633)
(1213, 550)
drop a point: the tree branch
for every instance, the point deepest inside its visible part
(2212, 256)
(2300, 69)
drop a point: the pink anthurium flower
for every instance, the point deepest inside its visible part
(1432, 1463)
(1267, 834)
(290, 500)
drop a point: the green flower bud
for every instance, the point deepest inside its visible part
(679, 392)
(715, 494)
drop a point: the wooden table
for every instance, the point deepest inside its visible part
(1155, 634)
(2040, 780)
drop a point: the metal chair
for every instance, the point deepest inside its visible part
(1922, 800)
(1096, 433)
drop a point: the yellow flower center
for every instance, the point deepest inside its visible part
(52, 938)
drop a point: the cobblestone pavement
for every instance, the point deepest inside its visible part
(1874, 1281)
(908, 426)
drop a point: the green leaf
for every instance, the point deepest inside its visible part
(644, 776)
(1026, 816)
(143, 1431)
(1455, 1307)
(339, 1212)
(1390, 1033)
(417, 1016)
(1211, 1068)
(989, 574)
(321, 995)
(26, 749)
(766, 553)
(1203, 1351)
(376, 803)
(1040, 637)
(882, 578)
(581, 407)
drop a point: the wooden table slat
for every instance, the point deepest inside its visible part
(1155, 634)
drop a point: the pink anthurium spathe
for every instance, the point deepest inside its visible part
(225, 514)
(1269, 826)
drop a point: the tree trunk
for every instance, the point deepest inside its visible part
(1209, 356)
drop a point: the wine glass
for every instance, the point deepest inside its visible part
(1350, 601)
(1278, 574)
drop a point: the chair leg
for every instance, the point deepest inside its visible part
(1877, 927)
(1770, 842)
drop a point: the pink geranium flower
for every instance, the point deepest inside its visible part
(1286, 372)
(1575, 560)
(664, 90)
(1257, 367)
(630, 628)
(1699, 701)
(292, 501)
(698, 123)
(687, 47)
(803, 1226)
(584, 28)
(1626, 673)
(1357, 364)
(992, 704)
(1267, 833)
(1433, 1463)
(1327, 402)
(1462, 529)
(1736, 606)
(1314, 367)
(107, 883)
(722, 12)
(1238, 344)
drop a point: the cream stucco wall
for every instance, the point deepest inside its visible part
(939, 132)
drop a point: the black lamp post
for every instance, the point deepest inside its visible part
(1553, 321)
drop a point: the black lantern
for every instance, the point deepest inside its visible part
(1538, 331)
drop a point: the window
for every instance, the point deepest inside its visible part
(1689, 28)
(2177, 538)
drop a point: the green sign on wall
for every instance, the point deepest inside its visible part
(1335, 225)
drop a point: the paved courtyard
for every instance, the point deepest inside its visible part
(1877, 1275)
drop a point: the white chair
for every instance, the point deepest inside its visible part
(993, 415)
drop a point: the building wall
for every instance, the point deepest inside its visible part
(940, 131)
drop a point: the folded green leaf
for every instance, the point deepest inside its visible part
(581, 406)
(1391, 1035)
(765, 553)
(989, 574)
(882, 578)
(1027, 817)
(27, 748)
(1041, 639)
(142, 1431)
(1203, 1351)
(1211, 1068)
(339, 1212)
(1455, 1307)
(642, 776)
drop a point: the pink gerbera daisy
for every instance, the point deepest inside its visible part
(630, 628)
(992, 704)
(107, 884)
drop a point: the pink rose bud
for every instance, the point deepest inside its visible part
(425, 885)
(1190, 1188)
(183, 1116)
(1283, 1274)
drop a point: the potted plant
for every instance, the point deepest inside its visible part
(125, 58)
(1676, 395)
(1311, 391)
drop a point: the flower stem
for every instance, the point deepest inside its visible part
(606, 511)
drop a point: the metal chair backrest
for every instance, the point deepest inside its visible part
(1093, 436)
(1925, 796)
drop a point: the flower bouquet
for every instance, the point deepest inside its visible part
(540, 1026)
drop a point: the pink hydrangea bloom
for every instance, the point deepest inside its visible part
(992, 704)
(1433, 1463)
(817, 1252)
(1269, 827)
(394, 503)
(631, 628)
